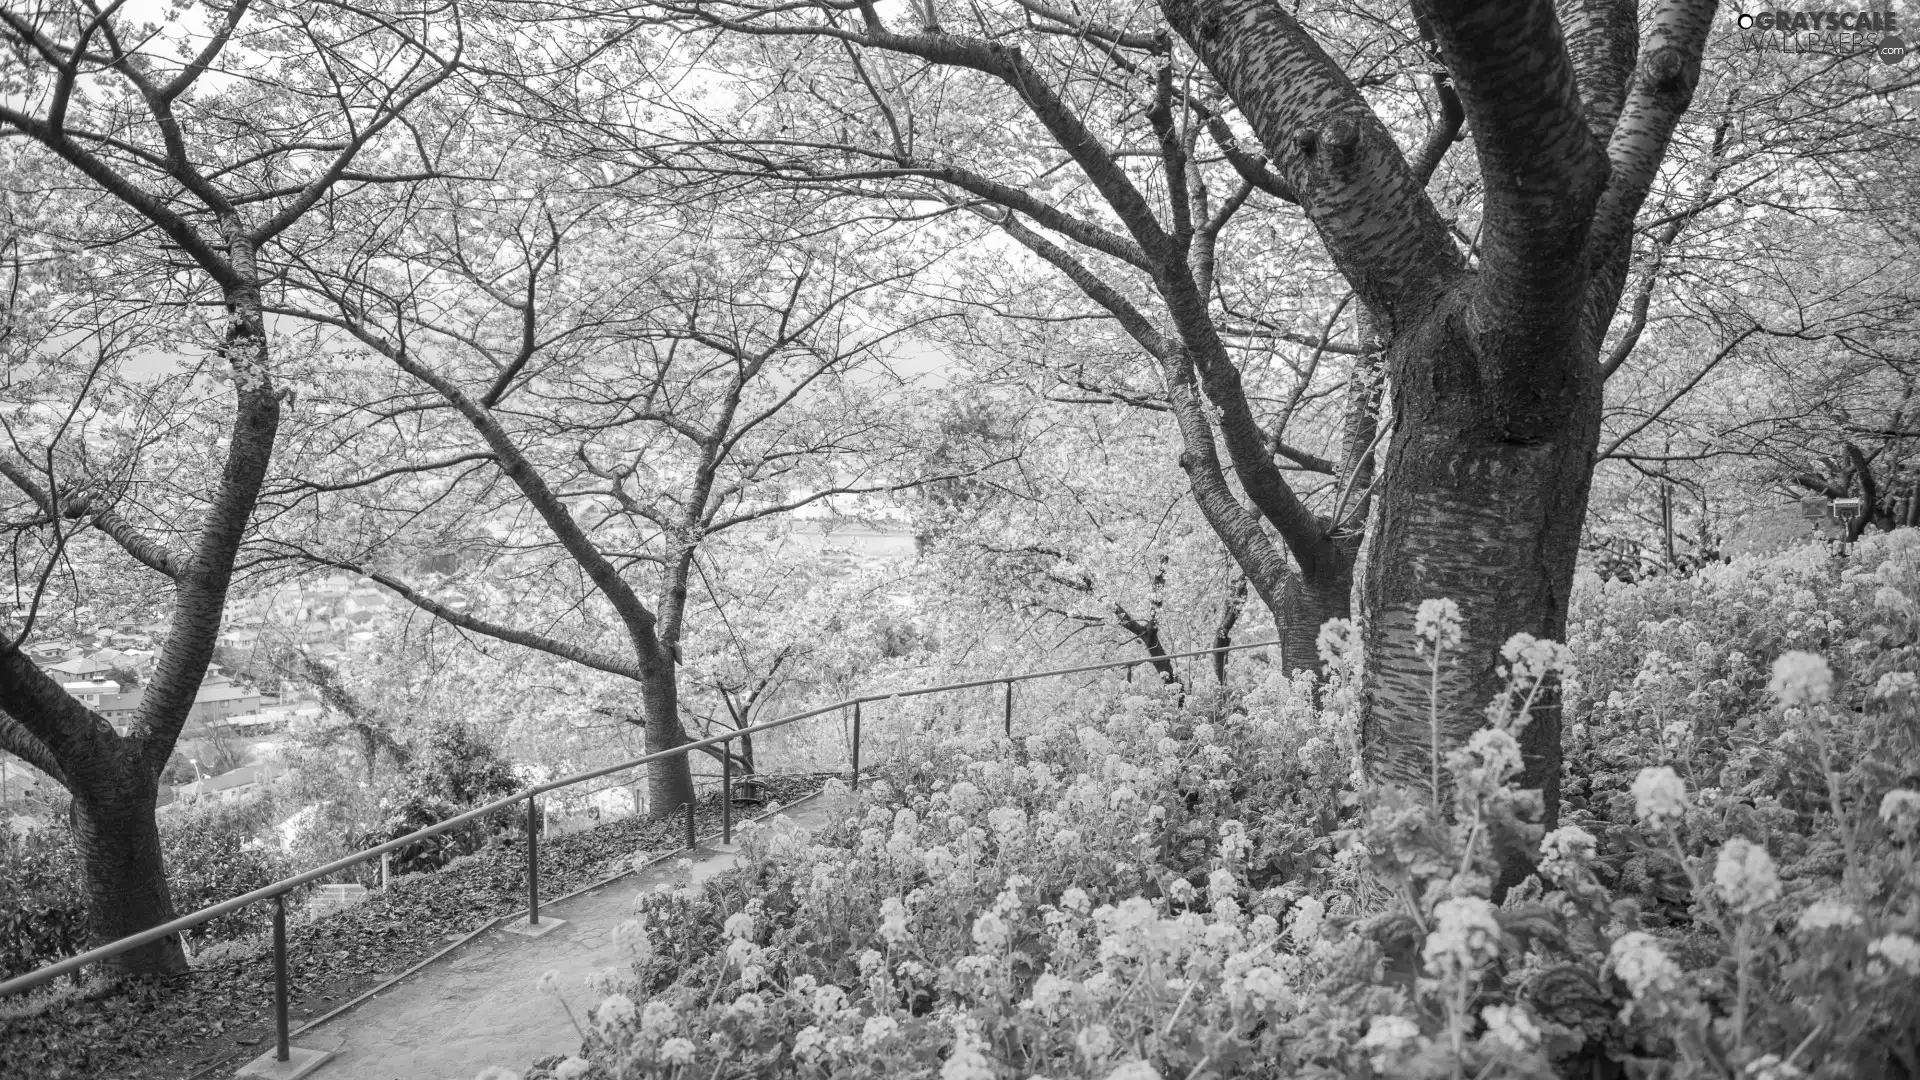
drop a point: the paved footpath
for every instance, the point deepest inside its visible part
(478, 1005)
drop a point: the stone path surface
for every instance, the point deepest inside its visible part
(478, 1006)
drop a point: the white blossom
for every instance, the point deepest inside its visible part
(1745, 876)
(1438, 622)
(809, 1043)
(1827, 915)
(1565, 852)
(1801, 678)
(1659, 796)
(990, 931)
(616, 1009)
(1304, 921)
(1510, 1026)
(1530, 659)
(1896, 684)
(893, 921)
(1900, 810)
(1643, 965)
(1899, 951)
(877, 1029)
(1465, 935)
(1386, 1036)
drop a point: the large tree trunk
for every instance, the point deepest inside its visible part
(1483, 509)
(669, 782)
(122, 875)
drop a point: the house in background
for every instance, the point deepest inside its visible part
(230, 785)
(220, 701)
(273, 715)
(46, 653)
(90, 693)
(119, 709)
(79, 669)
(220, 698)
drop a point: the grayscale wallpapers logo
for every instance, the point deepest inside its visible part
(1826, 30)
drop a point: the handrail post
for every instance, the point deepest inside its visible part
(856, 746)
(726, 792)
(1009, 708)
(692, 841)
(280, 1049)
(533, 862)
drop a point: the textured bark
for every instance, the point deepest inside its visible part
(1328, 145)
(121, 872)
(200, 596)
(1472, 508)
(1306, 605)
(1223, 631)
(670, 782)
(1148, 635)
(1258, 557)
(1603, 41)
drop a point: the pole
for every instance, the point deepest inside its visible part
(856, 745)
(726, 793)
(1009, 708)
(533, 862)
(280, 1051)
(691, 840)
(386, 870)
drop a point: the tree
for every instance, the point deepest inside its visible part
(1489, 333)
(192, 169)
(632, 407)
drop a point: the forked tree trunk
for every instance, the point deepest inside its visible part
(122, 874)
(1486, 512)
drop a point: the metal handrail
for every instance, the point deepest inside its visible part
(277, 890)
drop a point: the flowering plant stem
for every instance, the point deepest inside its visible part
(1849, 881)
(1433, 728)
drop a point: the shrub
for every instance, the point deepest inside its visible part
(43, 916)
(452, 770)
(216, 851)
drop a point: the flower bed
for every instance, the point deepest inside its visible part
(1152, 890)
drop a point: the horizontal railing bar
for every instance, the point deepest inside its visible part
(285, 885)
